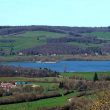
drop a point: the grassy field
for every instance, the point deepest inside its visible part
(102, 35)
(36, 105)
(29, 39)
(42, 81)
(86, 75)
(47, 85)
(38, 80)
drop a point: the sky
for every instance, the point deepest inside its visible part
(55, 12)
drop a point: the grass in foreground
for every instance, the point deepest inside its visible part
(36, 105)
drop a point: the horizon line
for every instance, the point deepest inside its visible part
(56, 26)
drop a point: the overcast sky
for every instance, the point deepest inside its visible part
(55, 12)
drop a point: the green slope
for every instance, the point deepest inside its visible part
(29, 39)
(101, 35)
(36, 105)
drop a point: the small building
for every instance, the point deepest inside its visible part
(96, 53)
(20, 53)
(53, 54)
(22, 83)
(86, 54)
(7, 86)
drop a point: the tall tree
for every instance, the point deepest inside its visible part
(95, 78)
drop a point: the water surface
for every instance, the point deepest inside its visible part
(68, 66)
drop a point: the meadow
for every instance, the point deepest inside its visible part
(101, 35)
(85, 75)
(36, 105)
(28, 39)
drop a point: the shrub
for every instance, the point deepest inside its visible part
(38, 89)
(7, 93)
(27, 88)
(61, 85)
(104, 77)
(79, 104)
(76, 77)
(80, 86)
(102, 102)
(1, 92)
(95, 78)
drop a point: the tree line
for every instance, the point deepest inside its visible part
(12, 71)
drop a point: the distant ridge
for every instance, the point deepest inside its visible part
(6, 30)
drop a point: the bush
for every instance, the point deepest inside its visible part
(7, 93)
(104, 77)
(102, 102)
(61, 85)
(38, 89)
(81, 86)
(95, 78)
(77, 77)
(1, 92)
(79, 104)
(27, 88)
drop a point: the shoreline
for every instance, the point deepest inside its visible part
(54, 58)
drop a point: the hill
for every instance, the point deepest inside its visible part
(54, 40)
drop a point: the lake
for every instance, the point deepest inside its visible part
(68, 66)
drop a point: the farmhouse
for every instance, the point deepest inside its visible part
(20, 53)
(7, 86)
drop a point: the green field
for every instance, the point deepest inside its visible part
(47, 85)
(38, 80)
(42, 81)
(36, 105)
(29, 39)
(85, 75)
(101, 35)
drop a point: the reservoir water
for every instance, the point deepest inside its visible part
(68, 66)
